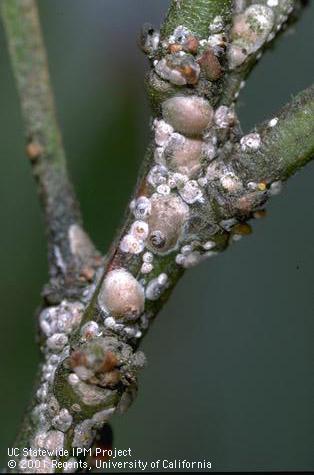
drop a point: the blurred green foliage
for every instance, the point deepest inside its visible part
(230, 374)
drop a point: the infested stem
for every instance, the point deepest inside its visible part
(200, 183)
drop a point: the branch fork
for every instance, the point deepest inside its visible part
(200, 183)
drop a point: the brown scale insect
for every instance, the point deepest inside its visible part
(210, 65)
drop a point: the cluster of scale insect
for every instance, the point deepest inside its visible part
(99, 367)
(254, 26)
(51, 421)
(187, 139)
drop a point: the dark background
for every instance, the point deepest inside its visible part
(230, 376)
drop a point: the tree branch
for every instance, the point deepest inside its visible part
(287, 142)
(196, 15)
(44, 145)
(200, 182)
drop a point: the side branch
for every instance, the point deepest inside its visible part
(287, 142)
(44, 145)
